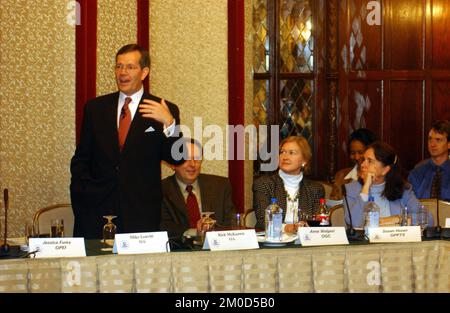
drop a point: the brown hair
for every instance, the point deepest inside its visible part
(395, 185)
(304, 148)
(144, 61)
(442, 127)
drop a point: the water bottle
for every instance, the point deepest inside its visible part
(273, 221)
(371, 214)
(406, 217)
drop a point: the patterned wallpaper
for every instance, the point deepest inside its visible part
(189, 67)
(37, 101)
(188, 47)
(116, 27)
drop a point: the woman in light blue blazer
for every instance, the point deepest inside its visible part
(380, 177)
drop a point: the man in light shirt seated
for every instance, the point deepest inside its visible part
(424, 178)
(188, 193)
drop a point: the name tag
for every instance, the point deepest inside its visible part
(395, 234)
(322, 236)
(135, 243)
(231, 240)
(57, 247)
(447, 222)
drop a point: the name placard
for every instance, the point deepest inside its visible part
(322, 236)
(136, 243)
(395, 234)
(57, 247)
(231, 240)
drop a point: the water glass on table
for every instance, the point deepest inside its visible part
(57, 228)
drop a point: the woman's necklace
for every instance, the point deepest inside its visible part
(295, 199)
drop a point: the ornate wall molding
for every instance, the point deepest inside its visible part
(332, 83)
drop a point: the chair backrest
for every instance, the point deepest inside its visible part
(250, 218)
(337, 215)
(444, 211)
(328, 188)
(42, 219)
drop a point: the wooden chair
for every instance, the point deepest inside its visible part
(328, 188)
(250, 218)
(42, 219)
(337, 215)
(444, 210)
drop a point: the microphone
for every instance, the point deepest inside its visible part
(352, 234)
(5, 246)
(7, 251)
(435, 232)
(438, 195)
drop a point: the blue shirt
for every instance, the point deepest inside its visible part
(421, 179)
(356, 204)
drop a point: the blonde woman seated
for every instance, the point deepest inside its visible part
(381, 178)
(289, 186)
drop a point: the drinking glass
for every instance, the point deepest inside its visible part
(57, 228)
(205, 224)
(109, 230)
(236, 223)
(422, 218)
(29, 231)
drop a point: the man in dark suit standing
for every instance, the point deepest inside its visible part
(187, 194)
(116, 169)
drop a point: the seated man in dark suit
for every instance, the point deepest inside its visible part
(187, 194)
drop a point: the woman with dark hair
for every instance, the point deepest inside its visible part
(380, 176)
(357, 144)
(292, 190)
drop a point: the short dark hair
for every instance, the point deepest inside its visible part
(442, 127)
(363, 135)
(190, 141)
(145, 56)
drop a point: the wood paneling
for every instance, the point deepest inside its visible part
(365, 41)
(440, 100)
(405, 84)
(405, 29)
(441, 34)
(404, 118)
(364, 109)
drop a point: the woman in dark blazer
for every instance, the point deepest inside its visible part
(292, 190)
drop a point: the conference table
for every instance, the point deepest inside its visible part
(394, 267)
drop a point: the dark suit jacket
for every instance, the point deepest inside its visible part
(272, 186)
(107, 181)
(215, 197)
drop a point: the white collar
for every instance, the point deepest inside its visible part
(135, 98)
(290, 181)
(353, 174)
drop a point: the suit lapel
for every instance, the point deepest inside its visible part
(112, 140)
(206, 205)
(138, 126)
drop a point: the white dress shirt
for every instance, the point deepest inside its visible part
(133, 106)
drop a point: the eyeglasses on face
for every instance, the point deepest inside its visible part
(128, 67)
